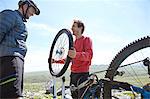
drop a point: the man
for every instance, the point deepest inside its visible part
(81, 55)
(13, 49)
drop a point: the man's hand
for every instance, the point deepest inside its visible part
(72, 53)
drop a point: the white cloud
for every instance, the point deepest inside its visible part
(42, 27)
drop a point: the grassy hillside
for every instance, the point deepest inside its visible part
(35, 82)
(36, 77)
(44, 76)
(129, 76)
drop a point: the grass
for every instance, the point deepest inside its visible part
(35, 82)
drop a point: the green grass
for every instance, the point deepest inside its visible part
(36, 90)
(35, 82)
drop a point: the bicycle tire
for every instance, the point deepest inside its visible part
(68, 59)
(124, 53)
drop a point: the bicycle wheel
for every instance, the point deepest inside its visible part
(125, 53)
(63, 42)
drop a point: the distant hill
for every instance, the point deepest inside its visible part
(137, 77)
(45, 76)
(140, 77)
(37, 77)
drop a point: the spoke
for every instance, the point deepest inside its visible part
(142, 55)
(131, 63)
(136, 76)
(132, 76)
(59, 61)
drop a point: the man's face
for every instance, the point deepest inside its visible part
(75, 29)
(30, 11)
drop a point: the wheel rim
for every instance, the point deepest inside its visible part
(124, 56)
(63, 41)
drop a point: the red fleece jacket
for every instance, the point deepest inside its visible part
(82, 61)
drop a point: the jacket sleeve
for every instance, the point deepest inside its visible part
(87, 54)
(7, 21)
